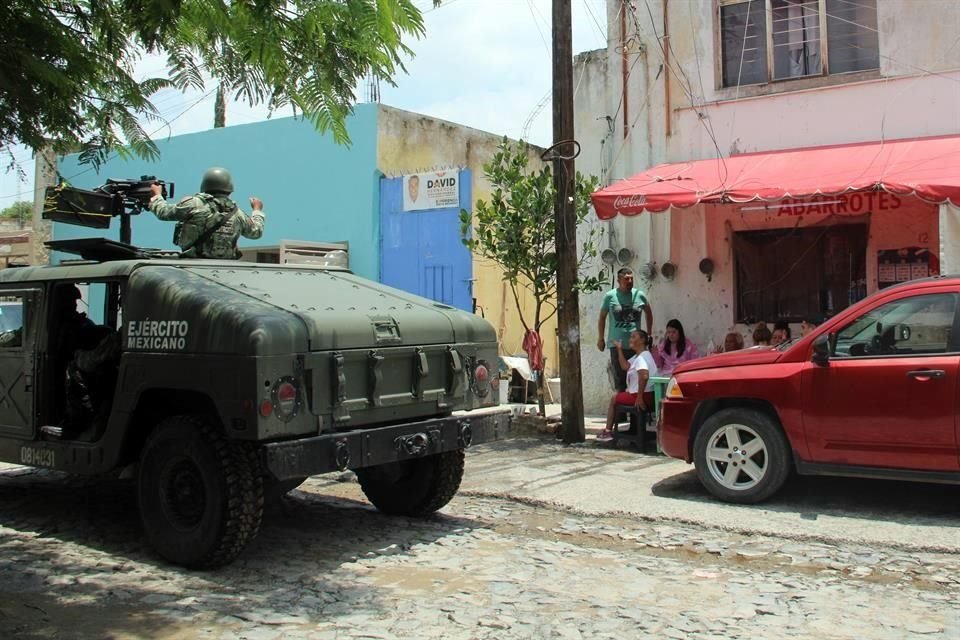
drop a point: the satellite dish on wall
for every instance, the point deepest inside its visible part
(649, 271)
(609, 256)
(624, 256)
(669, 270)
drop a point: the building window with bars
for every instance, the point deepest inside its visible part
(789, 274)
(771, 40)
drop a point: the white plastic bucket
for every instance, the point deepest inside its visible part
(554, 384)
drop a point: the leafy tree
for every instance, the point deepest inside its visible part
(21, 210)
(67, 66)
(516, 230)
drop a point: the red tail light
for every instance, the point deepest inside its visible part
(481, 380)
(286, 399)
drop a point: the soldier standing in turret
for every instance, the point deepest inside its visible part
(210, 223)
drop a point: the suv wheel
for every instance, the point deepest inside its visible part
(200, 495)
(415, 487)
(741, 455)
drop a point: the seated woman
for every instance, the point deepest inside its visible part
(781, 333)
(733, 341)
(674, 349)
(640, 368)
(761, 335)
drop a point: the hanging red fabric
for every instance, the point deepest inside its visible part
(533, 345)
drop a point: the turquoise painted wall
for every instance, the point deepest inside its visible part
(312, 188)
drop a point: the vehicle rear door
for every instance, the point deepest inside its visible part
(888, 397)
(19, 323)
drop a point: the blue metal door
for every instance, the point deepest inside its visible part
(421, 251)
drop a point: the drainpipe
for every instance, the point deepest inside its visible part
(623, 65)
(666, 62)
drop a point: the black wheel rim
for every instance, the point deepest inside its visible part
(183, 495)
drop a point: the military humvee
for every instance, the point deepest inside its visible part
(235, 379)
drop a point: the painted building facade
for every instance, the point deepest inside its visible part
(316, 191)
(712, 79)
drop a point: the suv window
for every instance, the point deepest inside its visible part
(909, 326)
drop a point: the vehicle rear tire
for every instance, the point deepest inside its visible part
(741, 455)
(200, 495)
(415, 487)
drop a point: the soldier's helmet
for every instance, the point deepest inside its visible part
(217, 182)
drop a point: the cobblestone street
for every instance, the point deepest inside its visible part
(506, 559)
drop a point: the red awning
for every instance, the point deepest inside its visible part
(928, 168)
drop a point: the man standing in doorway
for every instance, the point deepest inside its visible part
(625, 304)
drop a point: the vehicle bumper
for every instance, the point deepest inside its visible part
(673, 428)
(370, 447)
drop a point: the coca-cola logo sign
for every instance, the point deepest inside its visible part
(629, 202)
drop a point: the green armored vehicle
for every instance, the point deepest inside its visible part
(221, 381)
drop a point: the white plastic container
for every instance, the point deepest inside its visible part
(554, 384)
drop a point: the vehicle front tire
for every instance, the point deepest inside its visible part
(200, 495)
(416, 487)
(741, 455)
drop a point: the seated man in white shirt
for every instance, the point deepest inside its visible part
(640, 368)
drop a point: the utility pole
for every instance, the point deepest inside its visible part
(220, 108)
(564, 173)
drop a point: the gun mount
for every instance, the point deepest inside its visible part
(96, 208)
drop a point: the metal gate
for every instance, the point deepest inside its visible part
(421, 251)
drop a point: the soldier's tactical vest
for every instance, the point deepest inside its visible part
(200, 237)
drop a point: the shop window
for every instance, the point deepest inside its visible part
(769, 40)
(787, 274)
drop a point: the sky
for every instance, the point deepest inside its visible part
(482, 63)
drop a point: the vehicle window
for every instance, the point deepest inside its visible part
(910, 326)
(11, 322)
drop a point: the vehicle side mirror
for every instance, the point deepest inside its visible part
(821, 350)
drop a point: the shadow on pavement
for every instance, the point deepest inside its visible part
(73, 546)
(810, 497)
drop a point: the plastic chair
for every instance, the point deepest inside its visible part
(637, 433)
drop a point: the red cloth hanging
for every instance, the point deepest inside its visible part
(533, 345)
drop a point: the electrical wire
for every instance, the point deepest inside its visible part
(537, 23)
(743, 49)
(603, 34)
(686, 89)
(151, 134)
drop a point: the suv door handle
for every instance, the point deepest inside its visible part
(926, 374)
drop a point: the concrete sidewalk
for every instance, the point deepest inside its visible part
(592, 479)
(592, 424)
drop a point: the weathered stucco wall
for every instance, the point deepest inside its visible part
(916, 92)
(409, 142)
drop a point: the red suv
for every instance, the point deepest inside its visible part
(872, 392)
